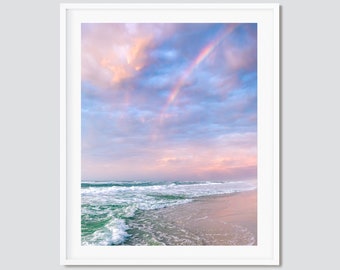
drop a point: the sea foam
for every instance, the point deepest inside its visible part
(107, 207)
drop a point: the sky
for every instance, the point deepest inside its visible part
(169, 101)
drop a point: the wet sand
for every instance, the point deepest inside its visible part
(219, 220)
(214, 220)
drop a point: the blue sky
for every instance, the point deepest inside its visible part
(169, 101)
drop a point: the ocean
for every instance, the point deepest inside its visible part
(132, 213)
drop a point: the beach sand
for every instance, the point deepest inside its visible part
(218, 220)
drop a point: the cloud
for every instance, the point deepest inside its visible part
(133, 126)
(212, 161)
(112, 53)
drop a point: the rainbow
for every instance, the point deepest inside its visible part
(199, 58)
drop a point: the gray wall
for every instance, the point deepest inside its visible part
(29, 62)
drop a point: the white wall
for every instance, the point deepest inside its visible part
(29, 83)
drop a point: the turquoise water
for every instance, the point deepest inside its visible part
(116, 213)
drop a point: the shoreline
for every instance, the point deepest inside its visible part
(229, 219)
(223, 218)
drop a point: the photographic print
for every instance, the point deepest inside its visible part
(169, 134)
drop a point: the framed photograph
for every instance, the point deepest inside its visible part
(169, 134)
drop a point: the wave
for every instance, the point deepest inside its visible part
(112, 233)
(108, 206)
(116, 184)
(87, 184)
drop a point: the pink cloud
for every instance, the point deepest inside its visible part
(230, 157)
(240, 58)
(112, 53)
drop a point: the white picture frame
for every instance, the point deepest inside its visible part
(267, 251)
